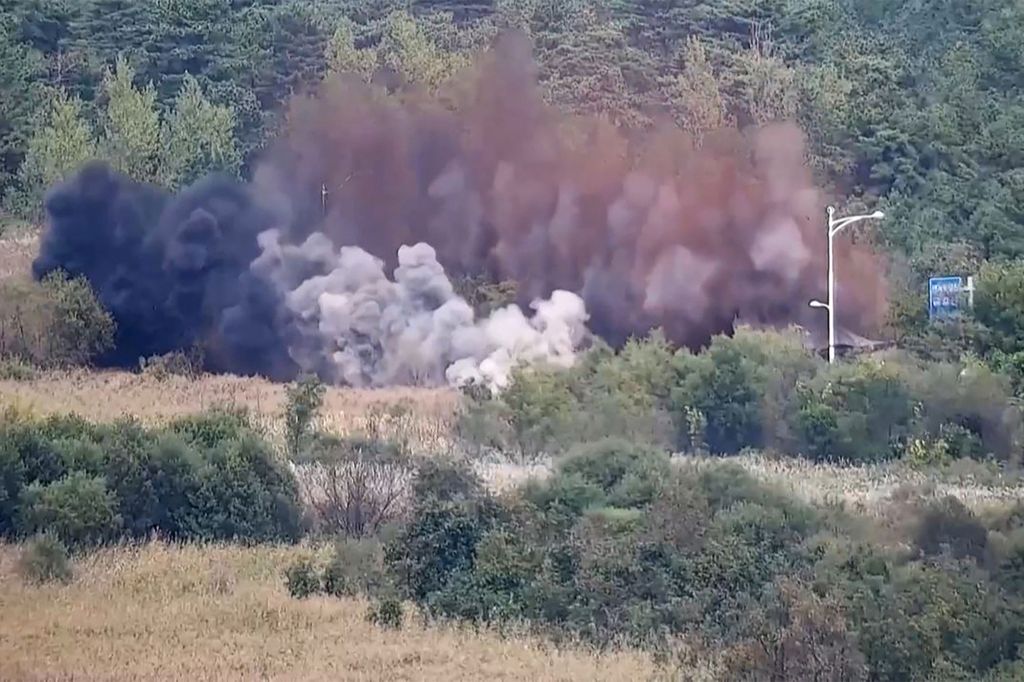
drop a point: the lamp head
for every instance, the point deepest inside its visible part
(818, 304)
(878, 215)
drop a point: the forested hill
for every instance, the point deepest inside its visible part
(912, 105)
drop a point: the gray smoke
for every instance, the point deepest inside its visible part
(353, 325)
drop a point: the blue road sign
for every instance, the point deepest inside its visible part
(944, 297)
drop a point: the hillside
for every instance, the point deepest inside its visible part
(466, 339)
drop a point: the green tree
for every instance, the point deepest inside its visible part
(406, 48)
(131, 136)
(198, 137)
(344, 57)
(21, 70)
(62, 142)
(694, 93)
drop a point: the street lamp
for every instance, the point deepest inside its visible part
(834, 226)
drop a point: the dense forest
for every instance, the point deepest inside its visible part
(913, 107)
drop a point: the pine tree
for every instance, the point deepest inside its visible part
(198, 138)
(131, 128)
(694, 94)
(344, 57)
(408, 50)
(61, 143)
(21, 69)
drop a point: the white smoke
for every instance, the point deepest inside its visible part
(348, 322)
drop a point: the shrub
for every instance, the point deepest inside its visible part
(386, 612)
(856, 412)
(212, 427)
(628, 474)
(45, 559)
(157, 481)
(356, 567)
(245, 493)
(445, 479)
(56, 322)
(16, 369)
(438, 542)
(721, 385)
(947, 524)
(177, 363)
(302, 578)
(78, 509)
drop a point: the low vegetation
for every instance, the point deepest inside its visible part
(757, 390)
(209, 477)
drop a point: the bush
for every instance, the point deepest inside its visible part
(302, 578)
(946, 524)
(204, 477)
(213, 427)
(45, 559)
(57, 322)
(356, 567)
(78, 509)
(856, 412)
(177, 363)
(627, 474)
(386, 613)
(245, 493)
(721, 385)
(16, 369)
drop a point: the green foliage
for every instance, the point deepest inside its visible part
(198, 138)
(16, 369)
(947, 525)
(302, 578)
(720, 384)
(628, 475)
(45, 559)
(385, 612)
(205, 477)
(245, 493)
(303, 402)
(356, 567)
(60, 143)
(131, 129)
(78, 509)
(56, 323)
(858, 412)
(21, 71)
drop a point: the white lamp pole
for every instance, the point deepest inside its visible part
(834, 226)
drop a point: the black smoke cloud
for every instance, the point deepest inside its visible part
(647, 228)
(172, 270)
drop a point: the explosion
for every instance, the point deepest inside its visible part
(333, 259)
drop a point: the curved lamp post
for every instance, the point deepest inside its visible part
(834, 226)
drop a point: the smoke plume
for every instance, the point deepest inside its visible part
(335, 259)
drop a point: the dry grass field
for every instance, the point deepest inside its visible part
(16, 254)
(424, 415)
(161, 612)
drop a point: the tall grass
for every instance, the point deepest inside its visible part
(162, 612)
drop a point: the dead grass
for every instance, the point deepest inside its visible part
(423, 416)
(16, 254)
(161, 612)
